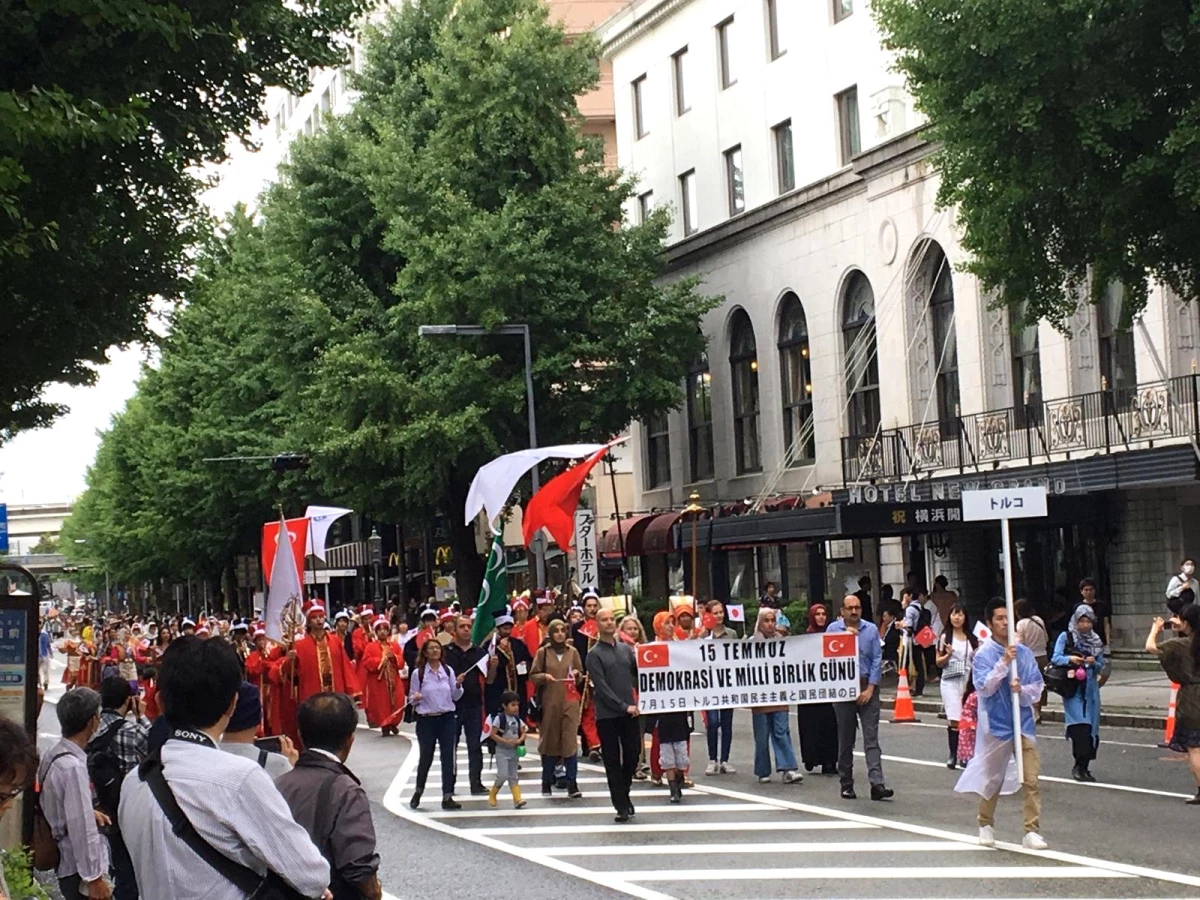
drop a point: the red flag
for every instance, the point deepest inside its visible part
(297, 533)
(654, 656)
(553, 507)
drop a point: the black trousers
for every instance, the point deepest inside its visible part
(620, 745)
(436, 732)
(469, 726)
(125, 884)
(1083, 745)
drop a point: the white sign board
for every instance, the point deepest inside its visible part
(689, 675)
(587, 559)
(1004, 503)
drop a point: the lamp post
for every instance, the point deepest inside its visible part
(375, 549)
(539, 549)
(694, 509)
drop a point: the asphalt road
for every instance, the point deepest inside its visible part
(1130, 835)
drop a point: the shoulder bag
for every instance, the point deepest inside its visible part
(1060, 679)
(255, 886)
(45, 848)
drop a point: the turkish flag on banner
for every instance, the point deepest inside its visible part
(553, 507)
(654, 656)
(297, 531)
(838, 644)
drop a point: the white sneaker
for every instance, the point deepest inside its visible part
(792, 777)
(728, 769)
(713, 768)
(987, 836)
(1034, 841)
(764, 779)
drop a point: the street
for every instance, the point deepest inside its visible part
(734, 838)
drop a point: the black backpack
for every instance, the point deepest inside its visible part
(106, 770)
(925, 619)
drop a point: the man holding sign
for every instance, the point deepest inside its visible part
(865, 707)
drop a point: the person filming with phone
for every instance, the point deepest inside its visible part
(275, 753)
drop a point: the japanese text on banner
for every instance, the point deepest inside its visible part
(688, 675)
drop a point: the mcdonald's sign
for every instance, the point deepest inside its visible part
(443, 556)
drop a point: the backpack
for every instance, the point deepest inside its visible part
(925, 619)
(106, 770)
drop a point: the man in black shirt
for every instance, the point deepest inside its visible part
(464, 657)
(612, 668)
(864, 596)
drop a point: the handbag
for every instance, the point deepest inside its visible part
(1060, 680)
(255, 886)
(45, 852)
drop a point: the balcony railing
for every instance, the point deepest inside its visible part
(1110, 420)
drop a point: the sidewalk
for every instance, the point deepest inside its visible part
(1130, 699)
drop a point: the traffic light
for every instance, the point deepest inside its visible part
(287, 462)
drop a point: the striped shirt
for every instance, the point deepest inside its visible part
(234, 806)
(67, 805)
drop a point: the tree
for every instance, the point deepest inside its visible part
(47, 543)
(106, 115)
(1069, 140)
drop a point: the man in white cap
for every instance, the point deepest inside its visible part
(318, 664)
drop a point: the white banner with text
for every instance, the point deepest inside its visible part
(706, 674)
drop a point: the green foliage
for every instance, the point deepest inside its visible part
(1070, 138)
(18, 875)
(459, 190)
(106, 112)
(47, 543)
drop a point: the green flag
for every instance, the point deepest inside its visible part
(493, 597)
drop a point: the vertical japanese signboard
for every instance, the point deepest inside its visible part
(587, 559)
(3, 527)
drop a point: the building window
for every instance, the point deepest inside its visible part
(774, 45)
(945, 338)
(842, 9)
(785, 166)
(795, 367)
(679, 67)
(645, 205)
(724, 45)
(847, 112)
(743, 366)
(658, 452)
(699, 412)
(687, 199)
(639, 114)
(326, 101)
(1027, 371)
(733, 180)
(862, 362)
(1116, 347)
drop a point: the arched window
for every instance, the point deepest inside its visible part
(862, 362)
(699, 417)
(743, 365)
(1116, 346)
(795, 368)
(935, 289)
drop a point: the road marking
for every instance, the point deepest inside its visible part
(598, 810)
(587, 795)
(868, 847)
(672, 827)
(941, 727)
(916, 874)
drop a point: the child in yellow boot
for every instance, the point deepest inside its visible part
(508, 732)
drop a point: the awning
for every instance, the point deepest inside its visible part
(730, 532)
(632, 529)
(660, 535)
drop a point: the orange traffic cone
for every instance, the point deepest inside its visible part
(902, 709)
(1170, 732)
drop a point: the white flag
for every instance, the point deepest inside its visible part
(735, 612)
(320, 518)
(494, 482)
(284, 596)
(981, 631)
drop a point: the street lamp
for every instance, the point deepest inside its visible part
(107, 593)
(375, 549)
(694, 509)
(539, 549)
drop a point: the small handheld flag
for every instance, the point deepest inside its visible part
(735, 612)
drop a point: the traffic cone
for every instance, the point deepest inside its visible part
(1170, 732)
(902, 709)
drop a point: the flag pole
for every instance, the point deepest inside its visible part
(612, 478)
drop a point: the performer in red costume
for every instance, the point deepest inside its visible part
(258, 665)
(537, 627)
(384, 673)
(315, 664)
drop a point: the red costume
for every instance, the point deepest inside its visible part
(383, 682)
(258, 667)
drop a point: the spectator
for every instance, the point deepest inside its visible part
(1180, 659)
(864, 708)
(943, 598)
(227, 802)
(864, 598)
(816, 722)
(718, 723)
(242, 731)
(771, 728)
(119, 745)
(955, 653)
(463, 657)
(1184, 579)
(1080, 647)
(891, 633)
(329, 801)
(18, 763)
(435, 689)
(770, 597)
(613, 670)
(1031, 631)
(44, 654)
(67, 800)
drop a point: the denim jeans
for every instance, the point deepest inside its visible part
(570, 763)
(772, 729)
(719, 720)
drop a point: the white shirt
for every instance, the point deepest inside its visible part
(233, 804)
(67, 805)
(276, 764)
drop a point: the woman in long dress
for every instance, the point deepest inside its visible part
(955, 654)
(817, 723)
(559, 675)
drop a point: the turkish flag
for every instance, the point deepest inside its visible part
(654, 656)
(297, 531)
(589, 629)
(838, 644)
(553, 507)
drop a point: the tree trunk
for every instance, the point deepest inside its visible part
(469, 566)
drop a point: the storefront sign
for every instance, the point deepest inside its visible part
(898, 518)
(923, 491)
(690, 675)
(587, 570)
(13, 664)
(1004, 503)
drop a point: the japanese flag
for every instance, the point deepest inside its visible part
(981, 631)
(486, 731)
(735, 612)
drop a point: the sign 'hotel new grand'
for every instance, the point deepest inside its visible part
(925, 491)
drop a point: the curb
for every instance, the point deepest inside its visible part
(1116, 719)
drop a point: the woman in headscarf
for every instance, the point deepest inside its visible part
(685, 623)
(818, 725)
(771, 728)
(558, 676)
(664, 625)
(1080, 649)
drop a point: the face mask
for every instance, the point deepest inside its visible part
(1189, 569)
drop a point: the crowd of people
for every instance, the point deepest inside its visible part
(133, 778)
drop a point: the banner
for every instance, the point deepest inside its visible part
(587, 570)
(703, 674)
(297, 530)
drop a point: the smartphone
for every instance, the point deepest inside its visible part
(271, 744)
